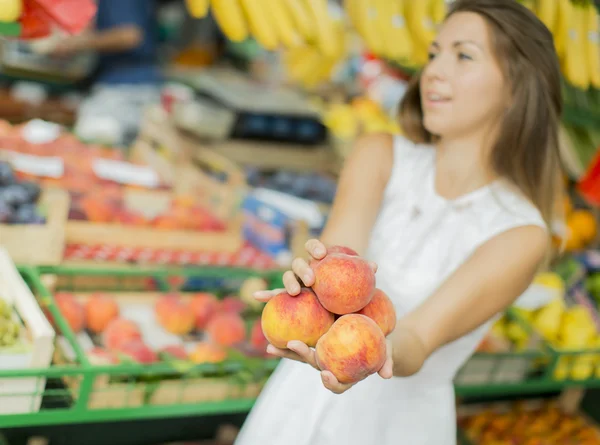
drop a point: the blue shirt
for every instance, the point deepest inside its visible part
(138, 65)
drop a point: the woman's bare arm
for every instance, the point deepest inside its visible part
(359, 193)
(487, 283)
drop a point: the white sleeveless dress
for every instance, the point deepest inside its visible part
(418, 240)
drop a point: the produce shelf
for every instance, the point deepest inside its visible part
(81, 390)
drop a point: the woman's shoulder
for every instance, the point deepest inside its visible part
(510, 208)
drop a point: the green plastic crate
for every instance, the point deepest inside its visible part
(78, 391)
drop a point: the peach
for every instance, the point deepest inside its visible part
(100, 310)
(343, 283)
(204, 306)
(226, 329)
(138, 351)
(174, 352)
(72, 310)
(99, 356)
(207, 352)
(352, 349)
(233, 304)
(301, 317)
(381, 310)
(174, 315)
(120, 331)
(257, 337)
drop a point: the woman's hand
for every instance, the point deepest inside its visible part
(301, 272)
(301, 275)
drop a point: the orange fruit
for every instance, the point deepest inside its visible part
(573, 242)
(583, 225)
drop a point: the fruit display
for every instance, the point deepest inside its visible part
(18, 199)
(194, 328)
(288, 24)
(570, 327)
(9, 329)
(343, 316)
(527, 422)
(360, 115)
(94, 197)
(581, 227)
(36, 19)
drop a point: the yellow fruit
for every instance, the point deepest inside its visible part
(10, 10)
(564, 11)
(422, 28)
(583, 224)
(229, 17)
(592, 42)
(197, 8)
(284, 24)
(301, 17)
(324, 25)
(259, 23)
(574, 64)
(551, 280)
(547, 11)
(400, 45)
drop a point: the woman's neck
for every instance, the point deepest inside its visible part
(462, 166)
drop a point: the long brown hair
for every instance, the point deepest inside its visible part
(527, 150)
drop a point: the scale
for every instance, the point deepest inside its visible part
(258, 111)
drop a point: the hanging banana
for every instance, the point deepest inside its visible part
(197, 8)
(422, 29)
(564, 11)
(324, 25)
(574, 64)
(261, 28)
(592, 43)
(284, 25)
(230, 18)
(547, 11)
(301, 18)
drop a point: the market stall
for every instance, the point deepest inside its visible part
(127, 272)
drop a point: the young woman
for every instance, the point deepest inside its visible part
(455, 216)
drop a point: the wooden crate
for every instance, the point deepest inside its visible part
(23, 395)
(39, 244)
(222, 198)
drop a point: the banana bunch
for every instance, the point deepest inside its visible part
(362, 115)
(574, 25)
(274, 24)
(312, 64)
(398, 30)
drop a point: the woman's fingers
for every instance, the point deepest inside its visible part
(302, 350)
(387, 370)
(291, 283)
(266, 295)
(316, 248)
(332, 384)
(284, 353)
(373, 266)
(297, 351)
(303, 271)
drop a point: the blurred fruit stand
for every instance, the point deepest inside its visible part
(128, 271)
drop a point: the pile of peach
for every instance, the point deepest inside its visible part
(121, 338)
(343, 316)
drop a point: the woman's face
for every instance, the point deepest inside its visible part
(462, 86)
